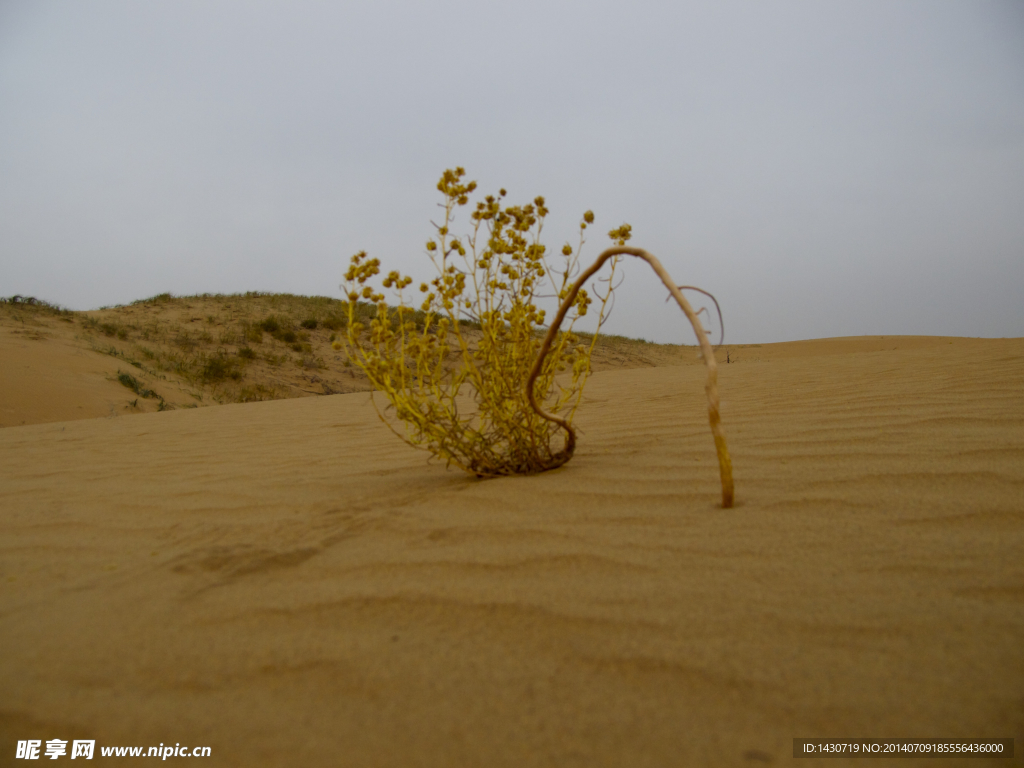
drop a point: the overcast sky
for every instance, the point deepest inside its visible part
(824, 168)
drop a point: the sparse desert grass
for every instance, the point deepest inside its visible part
(229, 348)
(33, 305)
(133, 384)
(32, 315)
(170, 341)
(219, 368)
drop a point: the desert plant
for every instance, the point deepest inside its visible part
(491, 279)
(133, 384)
(160, 298)
(218, 368)
(113, 329)
(31, 302)
(270, 324)
(477, 332)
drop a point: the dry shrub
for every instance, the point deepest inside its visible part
(422, 359)
(472, 397)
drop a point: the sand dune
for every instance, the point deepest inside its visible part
(195, 351)
(289, 584)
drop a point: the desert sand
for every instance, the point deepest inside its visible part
(288, 583)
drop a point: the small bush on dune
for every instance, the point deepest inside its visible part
(160, 298)
(490, 280)
(113, 329)
(220, 367)
(133, 384)
(39, 305)
(24, 301)
(283, 330)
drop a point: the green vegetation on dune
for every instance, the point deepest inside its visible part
(221, 348)
(215, 341)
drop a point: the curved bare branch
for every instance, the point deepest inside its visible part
(710, 387)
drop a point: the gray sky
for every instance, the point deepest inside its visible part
(824, 168)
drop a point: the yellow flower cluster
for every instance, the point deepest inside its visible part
(454, 369)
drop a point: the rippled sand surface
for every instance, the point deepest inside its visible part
(289, 584)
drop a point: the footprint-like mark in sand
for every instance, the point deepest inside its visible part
(231, 563)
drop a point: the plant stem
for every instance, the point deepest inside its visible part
(710, 387)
